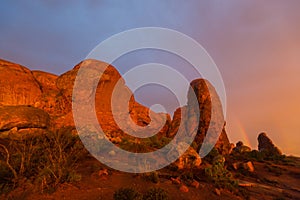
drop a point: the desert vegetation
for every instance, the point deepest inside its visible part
(154, 193)
(44, 160)
(42, 156)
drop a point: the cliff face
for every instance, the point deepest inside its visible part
(18, 85)
(211, 119)
(52, 95)
(138, 113)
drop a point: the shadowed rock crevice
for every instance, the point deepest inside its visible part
(17, 121)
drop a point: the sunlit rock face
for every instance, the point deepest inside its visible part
(211, 119)
(190, 159)
(52, 99)
(53, 94)
(17, 85)
(115, 107)
(22, 117)
(16, 121)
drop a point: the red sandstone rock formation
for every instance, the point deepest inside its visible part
(18, 85)
(53, 94)
(205, 94)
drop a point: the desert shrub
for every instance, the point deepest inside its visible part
(136, 146)
(152, 176)
(62, 152)
(155, 142)
(159, 143)
(255, 155)
(277, 171)
(242, 192)
(127, 194)
(268, 181)
(17, 160)
(290, 161)
(211, 155)
(46, 160)
(260, 156)
(155, 194)
(194, 145)
(172, 167)
(278, 159)
(165, 141)
(187, 176)
(143, 145)
(220, 176)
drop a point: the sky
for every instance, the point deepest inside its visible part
(255, 44)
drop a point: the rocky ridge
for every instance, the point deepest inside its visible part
(42, 100)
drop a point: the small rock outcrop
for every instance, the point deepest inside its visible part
(195, 184)
(266, 145)
(247, 166)
(241, 148)
(190, 159)
(22, 117)
(183, 188)
(52, 99)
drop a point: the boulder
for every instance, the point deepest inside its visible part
(17, 85)
(235, 166)
(190, 159)
(217, 191)
(266, 145)
(195, 184)
(184, 188)
(176, 181)
(248, 166)
(22, 117)
(103, 172)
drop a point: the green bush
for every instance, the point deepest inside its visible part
(255, 155)
(143, 145)
(155, 194)
(195, 146)
(152, 176)
(220, 176)
(136, 146)
(187, 176)
(259, 156)
(211, 155)
(127, 194)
